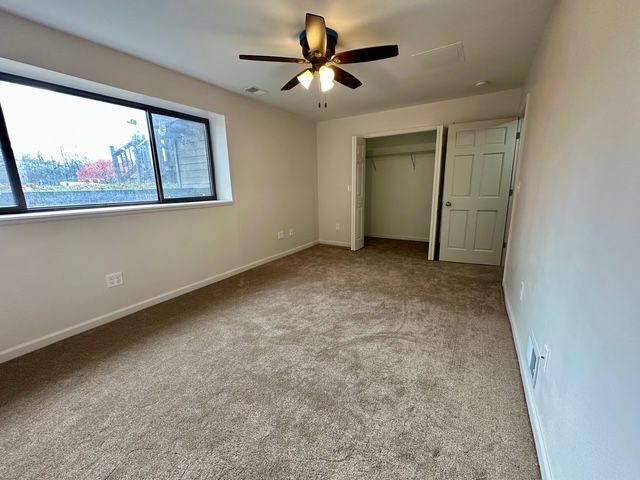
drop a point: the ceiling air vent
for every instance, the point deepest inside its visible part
(441, 56)
(255, 91)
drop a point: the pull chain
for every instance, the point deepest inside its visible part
(320, 102)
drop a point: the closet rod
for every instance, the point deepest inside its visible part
(399, 154)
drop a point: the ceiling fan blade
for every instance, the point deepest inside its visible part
(345, 78)
(368, 54)
(294, 81)
(269, 58)
(316, 33)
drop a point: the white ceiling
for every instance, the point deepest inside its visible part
(203, 38)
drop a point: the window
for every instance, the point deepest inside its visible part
(183, 155)
(74, 149)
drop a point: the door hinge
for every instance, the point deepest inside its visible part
(504, 244)
(517, 135)
(511, 192)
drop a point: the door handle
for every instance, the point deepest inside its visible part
(447, 204)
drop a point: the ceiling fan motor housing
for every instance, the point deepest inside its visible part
(316, 60)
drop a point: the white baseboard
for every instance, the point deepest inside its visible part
(41, 342)
(335, 243)
(534, 418)
(397, 237)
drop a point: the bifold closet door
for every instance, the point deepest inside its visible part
(357, 192)
(477, 179)
(435, 194)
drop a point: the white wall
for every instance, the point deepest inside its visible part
(53, 272)
(334, 147)
(575, 238)
(397, 195)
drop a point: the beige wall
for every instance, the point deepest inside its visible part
(53, 272)
(334, 147)
(575, 238)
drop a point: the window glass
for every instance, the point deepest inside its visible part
(73, 151)
(183, 157)
(7, 199)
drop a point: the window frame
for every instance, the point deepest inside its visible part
(12, 168)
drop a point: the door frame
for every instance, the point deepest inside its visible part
(434, 215)
(515, 185)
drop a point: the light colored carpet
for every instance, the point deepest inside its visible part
(325, 364)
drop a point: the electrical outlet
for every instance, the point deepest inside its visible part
(521, 291)
(280, 234)
(337, 226)
(114, 279)
(291, 232)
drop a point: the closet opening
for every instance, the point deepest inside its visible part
(396, 190)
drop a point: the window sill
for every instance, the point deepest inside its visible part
(14, 218)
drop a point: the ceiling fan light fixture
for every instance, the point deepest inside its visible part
(326, 74)
(305, 78)
(326, 86)
(326, 78)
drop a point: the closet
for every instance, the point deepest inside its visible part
(399, 180)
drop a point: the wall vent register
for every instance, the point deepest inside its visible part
(533, 360)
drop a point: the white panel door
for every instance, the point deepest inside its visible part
(477, 179)
(357, 192)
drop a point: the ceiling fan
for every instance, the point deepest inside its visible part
(318, 49)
